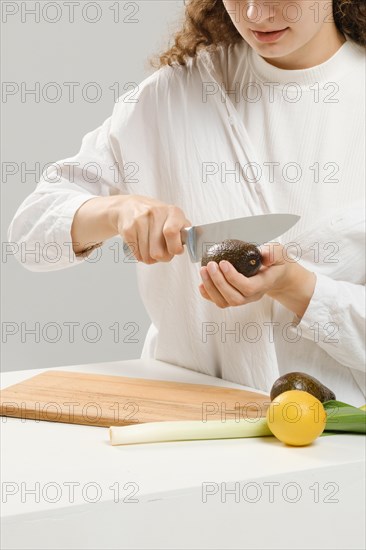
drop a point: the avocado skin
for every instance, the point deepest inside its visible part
(303, 382)
(245, 257)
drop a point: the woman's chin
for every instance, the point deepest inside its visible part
(271, 50)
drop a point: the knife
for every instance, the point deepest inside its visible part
(253, 229)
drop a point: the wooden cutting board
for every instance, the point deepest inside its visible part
(98, 400)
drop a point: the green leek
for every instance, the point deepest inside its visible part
(342, 417)
(182, 430)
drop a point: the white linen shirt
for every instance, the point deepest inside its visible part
(230, 135)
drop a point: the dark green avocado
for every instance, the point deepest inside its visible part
(303, 382)
(245, 257)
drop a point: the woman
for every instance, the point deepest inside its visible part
(257, 108)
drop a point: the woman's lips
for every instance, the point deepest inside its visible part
(269, 36)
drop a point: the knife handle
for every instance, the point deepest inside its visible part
(187, 236)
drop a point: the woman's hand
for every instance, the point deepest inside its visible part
(150, 227)
(280, 277)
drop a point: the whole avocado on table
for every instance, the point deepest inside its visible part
(303, 382)
(245, 257)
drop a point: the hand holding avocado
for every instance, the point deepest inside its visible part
(232, 276)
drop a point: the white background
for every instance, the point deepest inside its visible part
(105, 52)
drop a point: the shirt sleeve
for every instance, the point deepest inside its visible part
(39, 235)
(335, 317)
(335, 320)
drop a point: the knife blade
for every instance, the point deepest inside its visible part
(252, 229)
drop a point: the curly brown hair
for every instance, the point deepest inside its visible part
(208, 24)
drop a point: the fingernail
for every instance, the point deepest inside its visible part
(212, 268)
(224, 266)
(204, 275)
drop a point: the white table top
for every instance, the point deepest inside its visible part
(55, 455)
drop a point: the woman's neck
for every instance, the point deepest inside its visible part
(318, 50)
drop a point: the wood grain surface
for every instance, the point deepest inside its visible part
(99, 400)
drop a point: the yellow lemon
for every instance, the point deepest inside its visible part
(296, 417)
